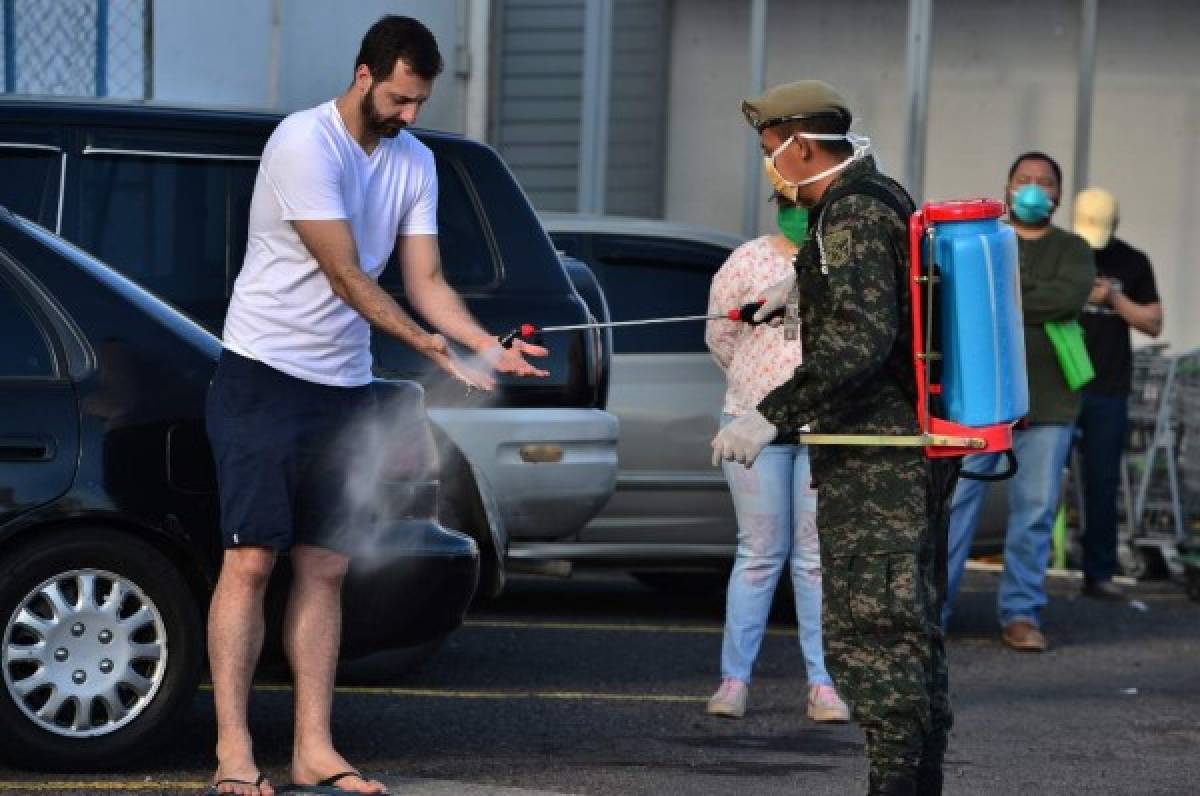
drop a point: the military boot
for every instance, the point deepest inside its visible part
(892, 783)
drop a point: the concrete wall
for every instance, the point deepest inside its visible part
(219, 52)
(710, 76)
(1146, 143)
(1003, 81)
(218, 55)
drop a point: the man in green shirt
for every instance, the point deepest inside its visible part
(1057, 270)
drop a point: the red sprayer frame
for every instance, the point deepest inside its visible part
(995, 438)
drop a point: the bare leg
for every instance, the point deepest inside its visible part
(235, 638)
(311, 635)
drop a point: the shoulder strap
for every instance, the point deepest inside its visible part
(891, 193)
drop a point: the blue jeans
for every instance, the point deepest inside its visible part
(776, 510)
(1032, 503)
(1103, 421)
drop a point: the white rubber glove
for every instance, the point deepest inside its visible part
(743, 439)
(775, 297)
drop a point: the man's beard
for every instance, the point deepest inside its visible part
(374, 121)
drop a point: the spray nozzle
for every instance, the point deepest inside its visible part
(745, 313)
(526, 331)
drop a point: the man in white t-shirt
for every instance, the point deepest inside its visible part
(339, 187)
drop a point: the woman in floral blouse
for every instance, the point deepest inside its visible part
(775, 504)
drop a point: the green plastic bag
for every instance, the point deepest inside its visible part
(1067, 339)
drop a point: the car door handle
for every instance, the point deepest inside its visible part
(26, 448)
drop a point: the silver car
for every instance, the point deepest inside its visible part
(670, 519)
(671, 508)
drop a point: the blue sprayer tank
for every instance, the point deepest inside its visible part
(978, 332)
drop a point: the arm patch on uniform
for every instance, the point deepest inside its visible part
(837, 247)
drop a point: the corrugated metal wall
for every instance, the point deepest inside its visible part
(638, 109)
(537, 99)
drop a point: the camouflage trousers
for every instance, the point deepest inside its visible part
(884, 646)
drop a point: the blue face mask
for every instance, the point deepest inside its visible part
(1030, 204)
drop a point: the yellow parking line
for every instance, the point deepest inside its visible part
(611, 627)
(450, 693)
(100, 785)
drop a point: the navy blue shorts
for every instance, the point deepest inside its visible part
(280, 445)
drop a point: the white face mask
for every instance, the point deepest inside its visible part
(787, 188)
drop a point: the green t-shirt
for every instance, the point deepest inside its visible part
(1057, 271)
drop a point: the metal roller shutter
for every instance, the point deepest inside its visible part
(537, 101)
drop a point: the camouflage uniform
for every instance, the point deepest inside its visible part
(881, 509)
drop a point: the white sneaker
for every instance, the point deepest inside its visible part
(730, 699)
(824, 705)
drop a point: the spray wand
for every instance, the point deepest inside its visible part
(744, 314)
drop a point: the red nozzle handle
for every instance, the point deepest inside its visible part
(525, 331)
(746, 313)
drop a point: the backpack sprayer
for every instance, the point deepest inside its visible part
(967, 336)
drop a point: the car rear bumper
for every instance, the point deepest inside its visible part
(549, 470)
(412, 590)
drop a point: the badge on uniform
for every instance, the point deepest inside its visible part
(837, 247)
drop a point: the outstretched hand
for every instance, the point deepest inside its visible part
(438, 350)
(512, 360)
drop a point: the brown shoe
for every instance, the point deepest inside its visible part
(1024, 636)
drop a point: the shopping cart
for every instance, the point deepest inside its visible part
(1160, 470)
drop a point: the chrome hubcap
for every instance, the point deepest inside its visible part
(84, 653)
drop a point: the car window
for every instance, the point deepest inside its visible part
(649, 278)
(30, 184)
(467, 258)
(25, 351)
(175, 226)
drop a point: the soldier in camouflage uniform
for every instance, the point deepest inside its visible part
(881, 510)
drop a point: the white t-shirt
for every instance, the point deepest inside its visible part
(283, 312)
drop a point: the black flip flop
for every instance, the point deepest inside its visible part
(215, 788)
(327, 786)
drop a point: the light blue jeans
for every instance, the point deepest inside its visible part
(777, 523)
(1032, 503)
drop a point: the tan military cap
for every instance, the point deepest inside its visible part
(800, 100)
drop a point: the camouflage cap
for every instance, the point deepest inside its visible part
(803, 99)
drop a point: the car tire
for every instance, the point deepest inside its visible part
(143, 652)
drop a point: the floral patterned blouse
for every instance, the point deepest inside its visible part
(756, 359)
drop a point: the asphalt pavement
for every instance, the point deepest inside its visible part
(596, 685)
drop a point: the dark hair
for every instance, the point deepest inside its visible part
(395, 38)
(835, 123)
(1037, 156)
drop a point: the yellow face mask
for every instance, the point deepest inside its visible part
(788, 189)
(781, 186)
